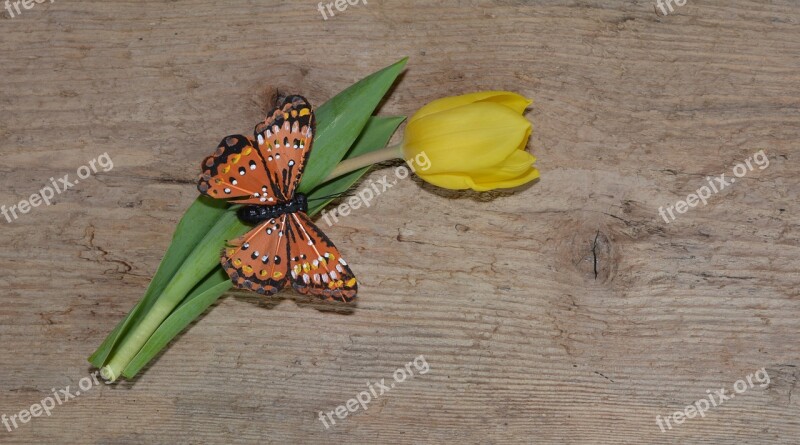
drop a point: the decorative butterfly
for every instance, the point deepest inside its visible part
(285, 248)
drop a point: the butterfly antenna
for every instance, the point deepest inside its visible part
(334, 196)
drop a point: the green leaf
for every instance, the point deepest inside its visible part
(340, 121)
(196, 222)
(206, 226)
(203, 259)
(200, 299)
(375, 136)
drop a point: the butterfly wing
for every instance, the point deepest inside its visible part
(315, 265)
(264, 170)
(234, 172)
(284, 140)
(258, 261)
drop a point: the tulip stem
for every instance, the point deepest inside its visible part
(365, 160)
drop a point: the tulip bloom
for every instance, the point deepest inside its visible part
(474, 141)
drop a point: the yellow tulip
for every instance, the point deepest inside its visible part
(475, 141)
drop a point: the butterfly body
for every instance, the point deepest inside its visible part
(256, 214)
(285, 248)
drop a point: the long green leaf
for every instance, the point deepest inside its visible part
(376, 134)
(196, 222)
(203, 259)
(341, 120)
(200, 299)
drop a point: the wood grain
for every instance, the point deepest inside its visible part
(567, 312)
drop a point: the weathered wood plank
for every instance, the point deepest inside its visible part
(568, 312)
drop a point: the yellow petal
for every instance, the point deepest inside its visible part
(508, 99)
(470, 137)
(460, 182)
(530, 175)
(514, 166)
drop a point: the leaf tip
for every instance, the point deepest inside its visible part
(402, 62)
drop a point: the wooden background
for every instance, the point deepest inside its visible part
(526, 342)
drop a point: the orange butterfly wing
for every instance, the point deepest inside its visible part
(264, 170)
(232, 172)
(290, 249)
(284, 140)
(259, 260)
(315, 265)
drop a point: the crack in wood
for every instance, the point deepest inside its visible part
(594, 253)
